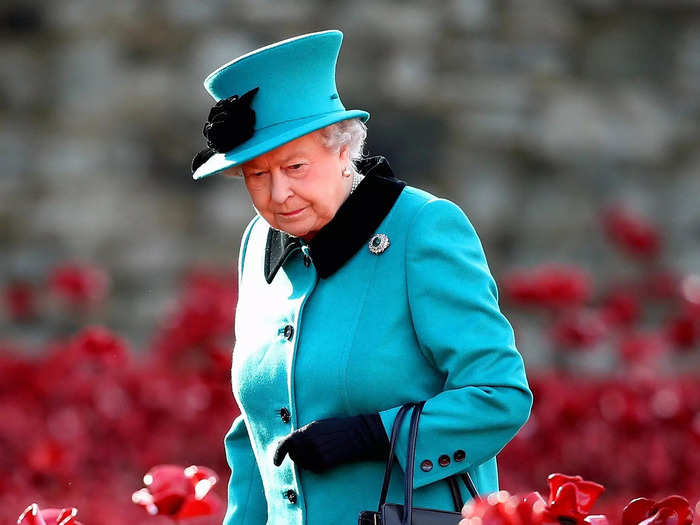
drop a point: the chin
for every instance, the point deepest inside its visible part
(297, 232)
(301, 229)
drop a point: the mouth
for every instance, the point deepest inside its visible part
(292, 213)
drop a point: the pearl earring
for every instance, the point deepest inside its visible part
(347, 171)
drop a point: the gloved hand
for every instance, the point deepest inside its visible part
(327, 443)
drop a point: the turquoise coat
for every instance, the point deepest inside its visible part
(329, 329)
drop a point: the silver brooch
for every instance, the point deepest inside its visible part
(378, 243)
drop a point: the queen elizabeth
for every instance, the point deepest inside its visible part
(357, 293)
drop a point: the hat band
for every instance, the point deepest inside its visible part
(300, 118)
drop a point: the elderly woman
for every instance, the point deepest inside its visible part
(357, 294)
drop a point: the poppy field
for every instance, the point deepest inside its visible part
(97, 431)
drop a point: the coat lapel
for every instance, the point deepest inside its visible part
(280, 245)
(349, 230)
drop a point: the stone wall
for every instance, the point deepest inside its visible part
(531, 115)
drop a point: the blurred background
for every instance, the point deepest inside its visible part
(567, 131)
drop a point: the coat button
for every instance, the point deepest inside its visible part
(444, 460)
(284, 414)
(459, 455)
(291, 496)
(426, 465)
(289, 331)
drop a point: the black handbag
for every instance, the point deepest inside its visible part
(406, 514)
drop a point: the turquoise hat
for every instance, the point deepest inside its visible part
(290, 87)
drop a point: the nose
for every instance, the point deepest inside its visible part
(280, 189)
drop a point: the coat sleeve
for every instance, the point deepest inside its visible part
(246, 499)
(453, 301)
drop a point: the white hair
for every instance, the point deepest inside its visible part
(351, 132)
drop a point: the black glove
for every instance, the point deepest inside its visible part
(327, 443)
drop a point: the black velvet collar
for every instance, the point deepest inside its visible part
(349, 230)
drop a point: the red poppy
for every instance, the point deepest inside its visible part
(500, 508)
(32, 515)
(673, 510)
(549, 286)
(683, 331)
(179, 492)
(203, 314)
(20, 300)
(570, 498)
(79, 285)
(50, 457)
(621, 306)
(683, 328)
(640, 346)
(100, 344)
(580, 328)
(631, 232)
(531, 508)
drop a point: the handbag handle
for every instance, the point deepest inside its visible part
(392, 446)
(454, 488)
(411, 454)
(410, 460)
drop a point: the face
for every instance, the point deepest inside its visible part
(298, 187)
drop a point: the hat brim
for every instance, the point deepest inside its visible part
(270, 138)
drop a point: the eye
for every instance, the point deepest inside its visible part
(295, 166)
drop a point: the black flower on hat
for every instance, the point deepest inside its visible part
(231, 122)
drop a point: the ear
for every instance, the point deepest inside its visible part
(344, 154)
